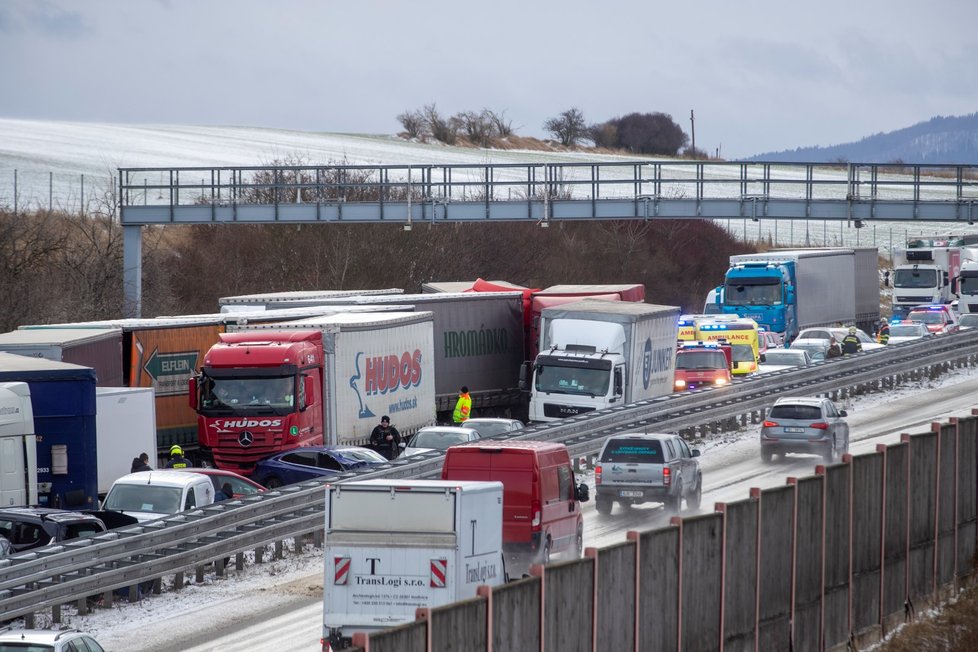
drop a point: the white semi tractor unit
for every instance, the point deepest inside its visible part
(597, 354)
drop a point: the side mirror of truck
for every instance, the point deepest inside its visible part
(618, 383)
(886, 279)
(192, 393)
(582, 494)
(525, 371)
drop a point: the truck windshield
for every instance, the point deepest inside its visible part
(701, 360)
(143, 498)
(752, 292)
(915, 278)
(572, 380)
(220, 392)
(969, 283)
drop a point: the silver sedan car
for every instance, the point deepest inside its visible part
(805, 425)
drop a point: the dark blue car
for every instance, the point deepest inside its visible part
(306, 463)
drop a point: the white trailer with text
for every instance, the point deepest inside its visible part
(393, 546)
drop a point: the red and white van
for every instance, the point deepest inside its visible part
(541, 502)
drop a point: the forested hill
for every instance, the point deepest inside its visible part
(951, 140)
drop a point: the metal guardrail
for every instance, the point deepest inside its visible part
(128, 556)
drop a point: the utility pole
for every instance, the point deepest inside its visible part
(692, 129)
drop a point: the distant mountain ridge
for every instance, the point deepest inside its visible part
(952, 140)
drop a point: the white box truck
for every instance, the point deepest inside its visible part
(597, 354)
(393, 546)
(18, 446)
(125, 426)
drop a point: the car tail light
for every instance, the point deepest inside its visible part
(667, 476)
(535, 510)
(769, 424)
(820, 426)
(597, 474)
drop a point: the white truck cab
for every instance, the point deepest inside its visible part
(18, 446)
(148, 495)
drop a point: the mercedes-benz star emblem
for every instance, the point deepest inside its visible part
(246, 438)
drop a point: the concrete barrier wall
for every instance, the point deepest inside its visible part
(896, 531)
(801, 567)
(777, 541)
(616, 597)
(923, 502)
(837, 536)
(459, 627)
(516, 615)
(740, 577)
(809, 558)
(701, 590)
(568, 605)
(947, 507)
(966, 493)
(867, 540)
(658, 623)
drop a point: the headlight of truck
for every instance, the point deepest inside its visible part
(680, 384)
(720, 381)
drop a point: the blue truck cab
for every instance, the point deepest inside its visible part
(764, 292)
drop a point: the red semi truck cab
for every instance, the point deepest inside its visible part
(259, 393)
(702, 364)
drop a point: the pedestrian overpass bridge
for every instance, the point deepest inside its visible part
(540, 192)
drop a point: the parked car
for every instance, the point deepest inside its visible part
(48, 640)
(805, 425)
(638, 468)
(439, 438)
(27, 528)
(938, 318)
(778, 359)
(767, 340)
(816, 347)
(908, 331)
(839, 333)
(149, 495)
(240, 485)
(309, 462)
(493, 427)
(968, 321)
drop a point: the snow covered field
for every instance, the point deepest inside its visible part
(72, 165)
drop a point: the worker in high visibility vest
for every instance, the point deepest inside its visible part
(463, 407)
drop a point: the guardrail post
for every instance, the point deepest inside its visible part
(29, 621)
(259, 554)
(279, 546)
(239, 561)
(56, 614)
(200, 574)
(107, 599)
(81, 605)
(178, 581)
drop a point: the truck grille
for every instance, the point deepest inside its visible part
(231, 454)
(561, 411)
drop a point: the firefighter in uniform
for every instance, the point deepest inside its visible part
(883, 334)
(177, 460)
(851, 343)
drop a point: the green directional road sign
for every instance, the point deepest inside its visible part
(171, 371)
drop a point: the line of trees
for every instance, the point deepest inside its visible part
(638, 133)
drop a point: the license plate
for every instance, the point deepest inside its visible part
(794, 431)
(630, 494)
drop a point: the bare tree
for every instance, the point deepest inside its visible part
(500, 124)
(568, 128)
(476, 127)
(414, 124)
(442, 129)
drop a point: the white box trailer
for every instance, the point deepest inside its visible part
(18, 446)
(393, 546)
(125, 426)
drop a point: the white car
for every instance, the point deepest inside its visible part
(778, 359)
(438, 438)
(816, 347)
(908, 331)
(493, 427)
(839, 333)
(968, 321)
(48, 640)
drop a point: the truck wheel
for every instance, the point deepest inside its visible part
(272, 483)
(674, 504)
(694, 499)
(603, 506)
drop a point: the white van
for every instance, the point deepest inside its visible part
(149, 495)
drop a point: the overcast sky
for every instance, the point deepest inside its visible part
(760, 75)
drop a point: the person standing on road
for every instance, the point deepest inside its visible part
(851, 343)
(883, 334)
(463, 407)
(385, 439)
(177, 460)
(140, 463)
